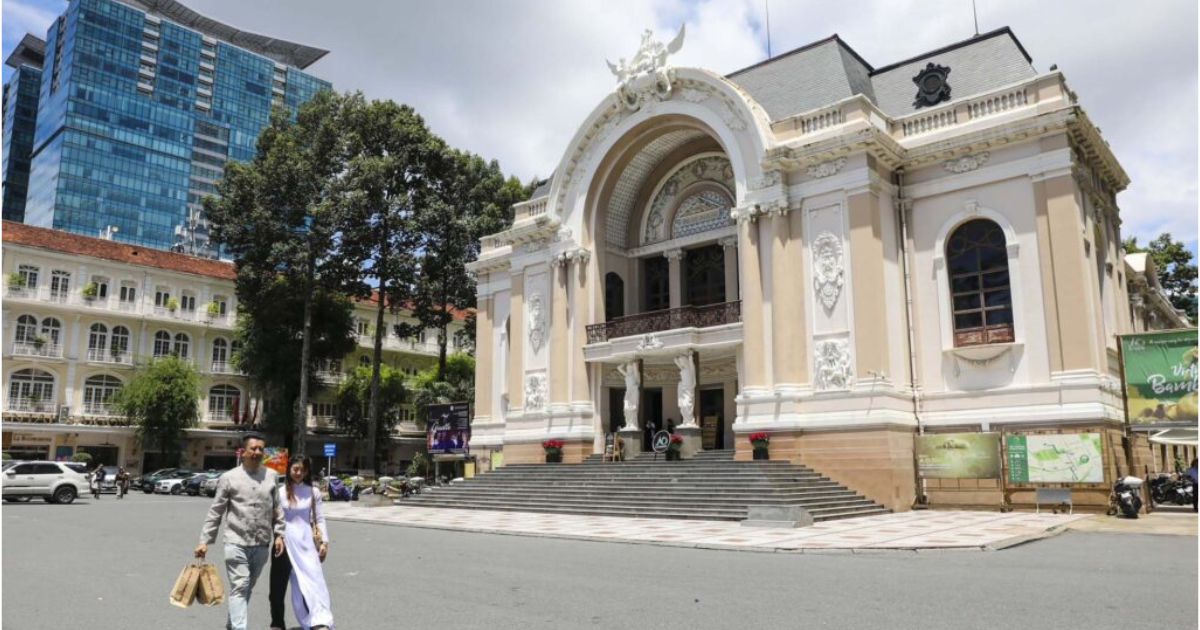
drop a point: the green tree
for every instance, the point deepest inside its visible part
(390, 170)
(472, 199)
(456, 383)
(277, 216)
(268, 328)
(1176, 269)
(354, 403)
(162, 401)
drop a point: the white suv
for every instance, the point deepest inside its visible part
(53, 481)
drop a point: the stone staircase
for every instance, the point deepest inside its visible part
(710, 486)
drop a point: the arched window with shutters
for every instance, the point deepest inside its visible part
(97, 342)
(162, 344)
(52, 330)
(980, 291)
(182, 343)
(98, 392)
(222, 403)
(31, 390)
(118, 343)
(27, 329)
(614, 296)
(220, 355)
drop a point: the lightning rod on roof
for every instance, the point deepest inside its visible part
(767, 7)
(975, 12)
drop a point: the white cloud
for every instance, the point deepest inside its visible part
(513, 80)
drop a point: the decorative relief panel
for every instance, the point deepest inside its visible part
(537, 322)
(832, 365)
(828, 269)
(536, 387)
(827, 168)
(715, 169)
(967, 163)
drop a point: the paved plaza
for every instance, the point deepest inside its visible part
(915, 531)
(110, 564)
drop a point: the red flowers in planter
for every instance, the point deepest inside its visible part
(760, 439)
(676, 443)
(552, 446)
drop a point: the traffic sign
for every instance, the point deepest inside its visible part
(330, 449)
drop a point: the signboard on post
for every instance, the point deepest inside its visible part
(662, 441)
(448, 428)
(1058, 458)
(959, 456)
(1160, 372)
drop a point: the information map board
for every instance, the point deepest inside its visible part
(1058, 458)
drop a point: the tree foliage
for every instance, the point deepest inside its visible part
(455, 384)
(354, 397)
(1176, 269)
(162, 400)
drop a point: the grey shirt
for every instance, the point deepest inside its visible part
(250, 505)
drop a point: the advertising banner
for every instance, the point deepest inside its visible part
(959, 456)
(276, 458)
(1068, 458)
(449, 428)
(1160, 378)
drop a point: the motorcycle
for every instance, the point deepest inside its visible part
(1126, 497)
(1166, 488)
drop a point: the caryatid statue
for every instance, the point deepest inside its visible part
(633, 385)
(687, 388)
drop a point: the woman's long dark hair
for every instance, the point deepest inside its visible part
(308, 479)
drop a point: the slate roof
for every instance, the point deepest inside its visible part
(828, 70)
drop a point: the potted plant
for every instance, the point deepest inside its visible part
(16, 280)
(553, 450)
(91, 291)
(39, 341)
(172, 304)
(674, 448)
(213, 309)
(761, 442)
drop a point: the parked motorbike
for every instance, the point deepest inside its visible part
(1177, 489)
(1126, 497)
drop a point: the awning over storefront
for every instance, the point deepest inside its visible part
(1176, 437)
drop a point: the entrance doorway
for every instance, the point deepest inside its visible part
(106, 455)
(616, 409)
(712, 419)
(651, 414)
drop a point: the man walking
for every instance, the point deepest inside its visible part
(247, 499)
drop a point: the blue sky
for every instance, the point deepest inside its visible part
(512, 80)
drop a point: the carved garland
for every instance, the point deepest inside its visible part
(537, 322)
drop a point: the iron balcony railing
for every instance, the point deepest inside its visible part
(670, 319)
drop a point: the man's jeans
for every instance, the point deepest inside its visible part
(243, 565)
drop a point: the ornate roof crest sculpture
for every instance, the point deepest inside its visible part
(647, 75)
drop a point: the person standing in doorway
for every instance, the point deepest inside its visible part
(246, 499)
(300, 560)
(97, 480)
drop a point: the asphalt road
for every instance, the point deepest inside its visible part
(111, 564)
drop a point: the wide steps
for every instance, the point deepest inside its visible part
(710, 486)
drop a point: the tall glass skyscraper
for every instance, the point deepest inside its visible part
(20, 116)
(141, 104)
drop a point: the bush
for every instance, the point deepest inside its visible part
(419, 466)
(5, 456)
(91, 291)
(85, 458)
(16, 280)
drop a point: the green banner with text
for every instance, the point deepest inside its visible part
(1160, 377)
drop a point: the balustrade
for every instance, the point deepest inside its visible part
(669, 319)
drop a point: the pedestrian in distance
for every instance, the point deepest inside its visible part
(97, 480)
(299, 562)
(122, 482)
(1191, 472)
(248, 503)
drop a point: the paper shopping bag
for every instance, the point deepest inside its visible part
(210, 591)
(184, 591)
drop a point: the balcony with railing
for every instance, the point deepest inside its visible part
(224, 367)
(330, 376)
(32, 405)
(37, 349)
(669, 319)
(117, 356)
(101, 409)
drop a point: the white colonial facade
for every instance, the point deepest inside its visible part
(802, 248)
(81, 314)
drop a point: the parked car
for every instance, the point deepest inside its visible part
(209, 487)
(9, 463)
(54, 482)
(173, 483)
(191, 487)
(146, 482)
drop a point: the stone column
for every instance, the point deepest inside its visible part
(787, 322)
(560, 272)
(484, 352)
(580, 384)
(516, 342)
(675, 267)
(731, 268)
(868, 268)
(750, 286)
